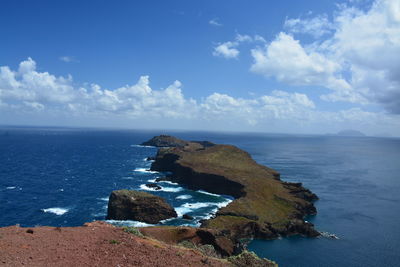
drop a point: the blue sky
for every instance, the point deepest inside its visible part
(271, 66)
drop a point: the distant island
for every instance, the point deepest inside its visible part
(350, 133)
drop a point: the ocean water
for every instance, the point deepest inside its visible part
(63, 177)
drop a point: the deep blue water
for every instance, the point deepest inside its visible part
(62, 177)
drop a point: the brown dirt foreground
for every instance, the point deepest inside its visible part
(95, 244)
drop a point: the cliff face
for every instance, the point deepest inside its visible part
(264, 206)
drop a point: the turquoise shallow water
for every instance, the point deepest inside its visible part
(62, 177)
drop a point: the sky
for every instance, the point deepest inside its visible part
(300, 67)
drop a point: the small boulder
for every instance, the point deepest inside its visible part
(154, 186)
(187, 217)
(138, 206)
(161, 179)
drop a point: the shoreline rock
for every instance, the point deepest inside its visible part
(138, 206)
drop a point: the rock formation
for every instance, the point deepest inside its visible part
(165, 141)
(138, 206)
(264, 206)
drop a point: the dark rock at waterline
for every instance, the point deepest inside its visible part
(150, 158)
(187, 217)
(298, 190)
(138, 206)
(154, 186)
(192, 237)
(161, 179)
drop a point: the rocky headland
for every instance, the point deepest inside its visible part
(264, 206)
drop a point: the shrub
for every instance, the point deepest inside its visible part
(114, 242)
(132, 230)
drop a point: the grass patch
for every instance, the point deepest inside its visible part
(132, 230)
(248, 258)
(114, 242)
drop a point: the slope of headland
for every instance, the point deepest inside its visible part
(102, 244)
(264, 206)
(95, 244)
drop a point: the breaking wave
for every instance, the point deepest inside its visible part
(56, 211)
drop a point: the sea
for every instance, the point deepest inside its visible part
(64, 176)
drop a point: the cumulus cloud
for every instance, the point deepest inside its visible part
(28, 88)
(285, 59)
(229, 49)
(28, 91)
(316, 27)
(214, 22)
(361, 45)
(226, 50)
(68, 59)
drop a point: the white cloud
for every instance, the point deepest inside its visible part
(214, 22)
(229, 49)
(285, 59)
(43, 91)
(226, 50)
(68, 59)
(29, 92)
(363, 46)
(316, 27)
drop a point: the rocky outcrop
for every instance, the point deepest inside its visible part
(247, 258)
(154, 186)
(187, 217)
(138, 206)
(196, 237)
(171, 141)
(264, 206)
(165, 141)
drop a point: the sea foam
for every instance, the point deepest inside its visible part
(142, 146)
(184, 197)
(189, 207)
(208, 193)
(56, 211)
(164, 189)
(129, 223)
(144, 170)
(168, 182)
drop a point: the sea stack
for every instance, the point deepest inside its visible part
(138, 206)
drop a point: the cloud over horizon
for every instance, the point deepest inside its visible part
(29, 91)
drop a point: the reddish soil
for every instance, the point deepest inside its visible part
(95, 244)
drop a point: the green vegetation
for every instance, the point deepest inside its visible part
(187, 244)
(132, 230)
(114, 242)
(247, 258)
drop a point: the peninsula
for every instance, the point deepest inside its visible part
(264, 206)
